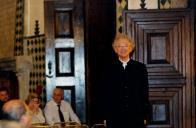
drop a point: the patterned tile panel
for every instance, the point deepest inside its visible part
(120, 6)
(36, 49)
(18, 46)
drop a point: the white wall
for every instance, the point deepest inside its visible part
(33, 10)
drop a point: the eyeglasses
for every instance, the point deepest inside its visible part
(122, 46)
(35, 100)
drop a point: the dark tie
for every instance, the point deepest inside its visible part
(60, 114)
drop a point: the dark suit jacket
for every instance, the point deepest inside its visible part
(1, 112)
(126, 95)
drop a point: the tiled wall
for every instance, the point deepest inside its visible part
(120, 6)
(19, 28)
(36, 49)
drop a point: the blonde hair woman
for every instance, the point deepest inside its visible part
(33, 102)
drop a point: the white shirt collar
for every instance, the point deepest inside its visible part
(124, 63)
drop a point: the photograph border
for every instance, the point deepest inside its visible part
(166, 114)
(57, 52)
(67, 31)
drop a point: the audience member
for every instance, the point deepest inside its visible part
(17, 110)
(58, 110)
(4, 96)
(33, 102)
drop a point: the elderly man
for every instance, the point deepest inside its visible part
(17, 110)
(126, 88)
(58, 110)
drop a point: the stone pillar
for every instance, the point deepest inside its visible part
(24, 66)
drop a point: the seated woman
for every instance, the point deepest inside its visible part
(33, 102)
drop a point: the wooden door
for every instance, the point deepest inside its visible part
(165, 43)
(65, 52)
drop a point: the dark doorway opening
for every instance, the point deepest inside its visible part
(9, 80)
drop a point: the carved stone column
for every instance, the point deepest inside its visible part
(24, 66)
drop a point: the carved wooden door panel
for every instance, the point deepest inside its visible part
(65, 52)
(165, 43)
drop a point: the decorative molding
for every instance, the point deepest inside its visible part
(162, 31)
(36, 28)
(172, 98)
(7, 64)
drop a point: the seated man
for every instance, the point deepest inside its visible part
(17, 110)
(4, 96)
(58, 110)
